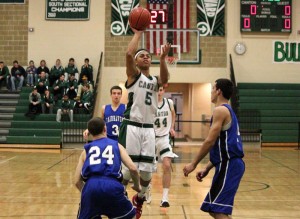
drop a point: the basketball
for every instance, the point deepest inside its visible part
(139, 18)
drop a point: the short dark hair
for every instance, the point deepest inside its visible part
(86, 59)
(71, 59)
(96, 126)
(226, 86)
(116, 87)
(15, 62)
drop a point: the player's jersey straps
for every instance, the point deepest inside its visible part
(228, 145)
(113, 119)
(142, 99)
(102, 159)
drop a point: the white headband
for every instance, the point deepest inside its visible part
(139, 52)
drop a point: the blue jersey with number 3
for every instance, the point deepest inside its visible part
(102, 159)
(113, 120)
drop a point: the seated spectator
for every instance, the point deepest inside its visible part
(80, 86)
(86, 99)
(56, 71)
(86, 70)
(59, 88)
(31, 72)
(71, 69)
(34, 107)
(42, 83)
(18, 74)
(47, 102)
(72, 87)
(43, 67)
(4, 74)
(66, 108)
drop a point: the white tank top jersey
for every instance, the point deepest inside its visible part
(142, 99)
(163, 119)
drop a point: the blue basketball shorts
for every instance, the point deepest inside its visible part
(224, 186)
(104, 196)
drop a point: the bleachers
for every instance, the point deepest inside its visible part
(278, 106)
(43, 129)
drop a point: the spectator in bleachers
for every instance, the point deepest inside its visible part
(86, 70)
(81, 84)
(34, 107)
(59, 88)
(31, 72)
(71, 69)
(56, 71)
(72, 87)
(42, 83)
(86, 98)
(4, 74)
(47, 102)
(66, 108)
(43, 67)
(18, 74)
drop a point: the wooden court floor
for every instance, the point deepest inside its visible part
(39, 184)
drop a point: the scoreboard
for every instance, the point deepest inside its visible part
(266, 16)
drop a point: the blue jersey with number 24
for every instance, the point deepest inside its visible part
(102, 159)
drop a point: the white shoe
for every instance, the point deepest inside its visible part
(148, 195)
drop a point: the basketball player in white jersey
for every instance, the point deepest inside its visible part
(137, 132)
(164, 127)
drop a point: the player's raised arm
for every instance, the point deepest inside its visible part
(131, 69)
(164, 72)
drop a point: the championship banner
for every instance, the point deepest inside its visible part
(68, 10)
(210, 17)
(120, 10)
(12, 1)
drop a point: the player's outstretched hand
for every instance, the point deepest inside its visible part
(136, 188)
(201, 174)
(188, 169)
(165, 50)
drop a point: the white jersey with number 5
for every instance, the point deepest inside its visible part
(163, 119)
(142, 99)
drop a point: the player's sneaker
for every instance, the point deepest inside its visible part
(148, 195)
(138, 203)
(164, 204)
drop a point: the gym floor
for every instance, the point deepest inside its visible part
(39, 184)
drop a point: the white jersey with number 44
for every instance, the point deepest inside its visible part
(163, 119)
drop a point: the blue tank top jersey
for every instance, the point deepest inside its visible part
(113, 119)
(229, 144)
(102, 159)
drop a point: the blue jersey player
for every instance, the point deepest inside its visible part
(226, 152)
(113, 113)
(98, 176)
